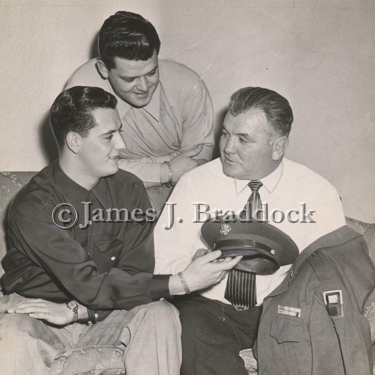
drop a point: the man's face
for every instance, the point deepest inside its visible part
(135, 81)
(246, 146)
(99, 150)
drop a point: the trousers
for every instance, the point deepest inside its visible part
(144, 340)
(213, 334)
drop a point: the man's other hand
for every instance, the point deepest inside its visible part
(55, 313)
(204, 272)
(184, 162)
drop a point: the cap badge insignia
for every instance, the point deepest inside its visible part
(225, 229)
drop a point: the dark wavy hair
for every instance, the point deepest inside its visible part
(72, 111)
(276, 108)
(128, 36)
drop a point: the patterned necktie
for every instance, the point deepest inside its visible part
(241, 289)
(254, 202)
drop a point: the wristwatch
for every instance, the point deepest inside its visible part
(73, 306)
(170, 174)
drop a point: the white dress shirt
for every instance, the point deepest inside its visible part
(287, 188)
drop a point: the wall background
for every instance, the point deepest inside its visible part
(319, 54)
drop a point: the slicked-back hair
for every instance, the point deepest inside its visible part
(128, 36)
(72, 111)
(276, 108)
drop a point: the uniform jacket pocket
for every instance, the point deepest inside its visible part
(289, 349)
(287, 329)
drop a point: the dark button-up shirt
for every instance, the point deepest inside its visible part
(106, 265)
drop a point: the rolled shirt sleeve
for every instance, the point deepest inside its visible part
(178, 118)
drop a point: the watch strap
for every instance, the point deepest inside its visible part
(170, 174)
(73, 306)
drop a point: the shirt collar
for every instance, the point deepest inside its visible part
(151, 108)
(66, 185)
(75, 193)
(269, 182)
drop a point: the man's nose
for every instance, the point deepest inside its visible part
(230, 146)
(120, 142)
(142, 84)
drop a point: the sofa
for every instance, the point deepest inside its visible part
(107, 360)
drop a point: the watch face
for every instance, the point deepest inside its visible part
(72, 304)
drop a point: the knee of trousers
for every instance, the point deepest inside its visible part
(156, 319)
(160, 317)
(160, 310)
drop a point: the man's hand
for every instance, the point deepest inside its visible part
(184, 162)
(200, 252)
(203, 271)
(55, 313)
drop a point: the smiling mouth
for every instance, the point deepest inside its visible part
(142, 95)
(114, 157)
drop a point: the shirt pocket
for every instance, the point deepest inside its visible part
(292, 352)
(106, 254)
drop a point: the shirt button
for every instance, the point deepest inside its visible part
(90, 222)
(89, 322)
(113, 258)
(96, 316)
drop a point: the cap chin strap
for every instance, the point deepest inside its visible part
(243, 245)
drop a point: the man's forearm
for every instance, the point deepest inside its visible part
(152, 171)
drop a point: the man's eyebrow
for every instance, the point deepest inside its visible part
(154, 68)
(113, 131)
(243, 135)
(109, 132)
(246, 135)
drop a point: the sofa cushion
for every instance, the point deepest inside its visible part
(10, 184)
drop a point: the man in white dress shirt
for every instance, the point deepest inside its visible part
(298, 201)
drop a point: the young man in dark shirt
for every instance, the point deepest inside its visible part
(79, 268)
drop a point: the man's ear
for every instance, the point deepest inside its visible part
(73, 142)
(102, 68)
(279, 147)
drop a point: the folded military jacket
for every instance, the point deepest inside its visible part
(313, 323)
